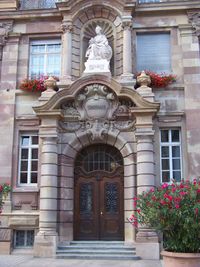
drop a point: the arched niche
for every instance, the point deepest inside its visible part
(84, 23)
(88, 32)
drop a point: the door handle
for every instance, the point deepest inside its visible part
(101, 212)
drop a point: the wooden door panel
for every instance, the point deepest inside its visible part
(86, 215)
(98, 206)
(111, 206)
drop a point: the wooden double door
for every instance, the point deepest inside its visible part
(98, 203)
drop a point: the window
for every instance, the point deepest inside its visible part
(153, 52)
(45, 58)
(170, 150)
(23, 238)
(28, 164)
(36, 4)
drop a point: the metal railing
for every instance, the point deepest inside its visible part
(37, 4)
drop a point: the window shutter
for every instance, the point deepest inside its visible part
(153, 52)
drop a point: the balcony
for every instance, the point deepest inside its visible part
(37, 4)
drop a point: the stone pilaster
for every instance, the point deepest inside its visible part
(127, 48)
(145, 160)
(67, 29)
(46, 239)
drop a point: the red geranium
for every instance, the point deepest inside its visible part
(160, 80)
(35, 85)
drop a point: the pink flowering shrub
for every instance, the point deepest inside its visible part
(173, 209)
(4, 190)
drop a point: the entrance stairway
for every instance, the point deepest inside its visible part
(113, 250)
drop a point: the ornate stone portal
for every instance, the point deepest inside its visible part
(96, 110)
(92, 112)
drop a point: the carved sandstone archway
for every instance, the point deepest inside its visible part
(92, 110)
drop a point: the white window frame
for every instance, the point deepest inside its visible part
(45, 53)
(30, 147)
(170, 144)
(25, 238)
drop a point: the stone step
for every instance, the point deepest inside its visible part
(97, 242)
(96, 247)
(96, 251)
(114, 250)
(97, 257)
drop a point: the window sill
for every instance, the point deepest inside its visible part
(25, 189)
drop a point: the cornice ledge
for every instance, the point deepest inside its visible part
(163, 6)
(30, 14)
(139, 100)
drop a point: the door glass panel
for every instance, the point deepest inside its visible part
(111, 195)
(99, 158)
(86, 198)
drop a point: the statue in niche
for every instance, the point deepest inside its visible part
(98, 47)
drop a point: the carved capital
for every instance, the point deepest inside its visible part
(67, 26)
(5, 28)
(127, 23)
(194, 19)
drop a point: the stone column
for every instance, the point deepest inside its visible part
(127, 48)
(145, 160)
(46, 239)
(66, 51)
(146, 238)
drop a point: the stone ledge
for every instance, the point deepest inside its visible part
(16, 221)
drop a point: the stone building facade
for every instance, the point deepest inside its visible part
(97, 141)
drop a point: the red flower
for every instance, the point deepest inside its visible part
(160, 80)
(196, 211)
(165, 185)
(35, 85)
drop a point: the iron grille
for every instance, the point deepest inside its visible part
(37, 4)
